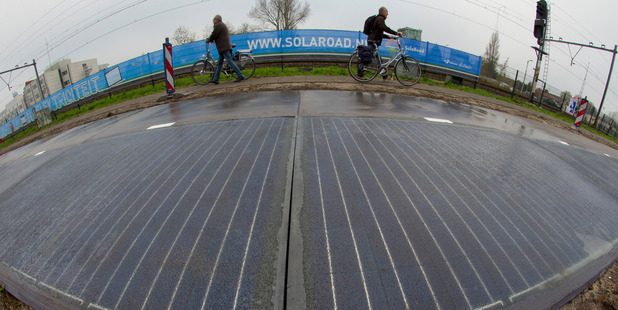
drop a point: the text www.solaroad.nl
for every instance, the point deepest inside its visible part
(303, 42)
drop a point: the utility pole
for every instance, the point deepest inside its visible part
(611, 68)
(35, 71)
(539, 33)
(37, 79)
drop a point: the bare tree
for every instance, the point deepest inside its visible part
(281, 14)
(244, 28)
(206, 32)
(492, 56)
(182, 35)
(502, 70)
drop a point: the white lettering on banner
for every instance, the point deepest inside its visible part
(416, 50)
(461, 65)
(72, 94)
(299, 42)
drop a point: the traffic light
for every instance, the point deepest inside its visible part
(541, 9)
(540, 21)
(539, 29)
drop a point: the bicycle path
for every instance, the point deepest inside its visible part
(382, 200)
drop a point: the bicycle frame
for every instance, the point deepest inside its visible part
(226, 67)
(400, 52)
(406, 69)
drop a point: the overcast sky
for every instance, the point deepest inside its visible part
(113, 31)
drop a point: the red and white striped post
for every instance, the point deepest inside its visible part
(581, 112)
(169, 69)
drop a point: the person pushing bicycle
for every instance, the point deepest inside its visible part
(377, 33)
(221, 36)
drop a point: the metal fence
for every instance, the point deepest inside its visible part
(513, 83)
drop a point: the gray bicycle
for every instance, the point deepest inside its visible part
(407, 69)
(203, 71)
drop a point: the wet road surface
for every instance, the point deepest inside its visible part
(307, 199)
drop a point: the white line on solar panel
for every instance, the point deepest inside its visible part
(95, 306)
(472, 193)
(420, 216)
(525, 211)
(178, 167)
(438, 120)
(257, 208)
(36, 247)
(533, 186)
(125, 170)
(89, 218)
(428, 165)
(242, 192)
(77, 240)
(539, 285)
(490, 306)
(506, 196)
(84, 218)
(160, 126)
(58, 292)
(21, 273)
(45, 215)
(168, 217)
(330, 261)
(532, 208)
(556, 186)
(175, 240)
(551, 197)
(571, 214)
(126, 227)
(527, 223)
(345, 206)
(199, 236)
(408, 131)
(24, 221)
(388, 251)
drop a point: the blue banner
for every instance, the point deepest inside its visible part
(306, 41)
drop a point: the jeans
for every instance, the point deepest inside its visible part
(228, 56)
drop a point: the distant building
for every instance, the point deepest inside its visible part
(13, 108)
(32, 92)
(58, 76)
(411, 33)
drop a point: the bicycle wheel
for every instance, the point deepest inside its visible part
(408, 71)
(362, 72)
(246, 64)
(202, 72)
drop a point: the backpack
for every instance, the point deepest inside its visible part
(369, 24)
(365, 54)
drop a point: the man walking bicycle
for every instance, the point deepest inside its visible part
(377, 32)
(221, 36)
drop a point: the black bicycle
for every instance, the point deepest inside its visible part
(203, 71)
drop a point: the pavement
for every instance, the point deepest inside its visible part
(267, 196)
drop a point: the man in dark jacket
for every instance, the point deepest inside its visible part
(377, 33)
(221, 36)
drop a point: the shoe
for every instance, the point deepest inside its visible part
(214, 82)
(240, 78)
(387, 78)
(361, 77)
